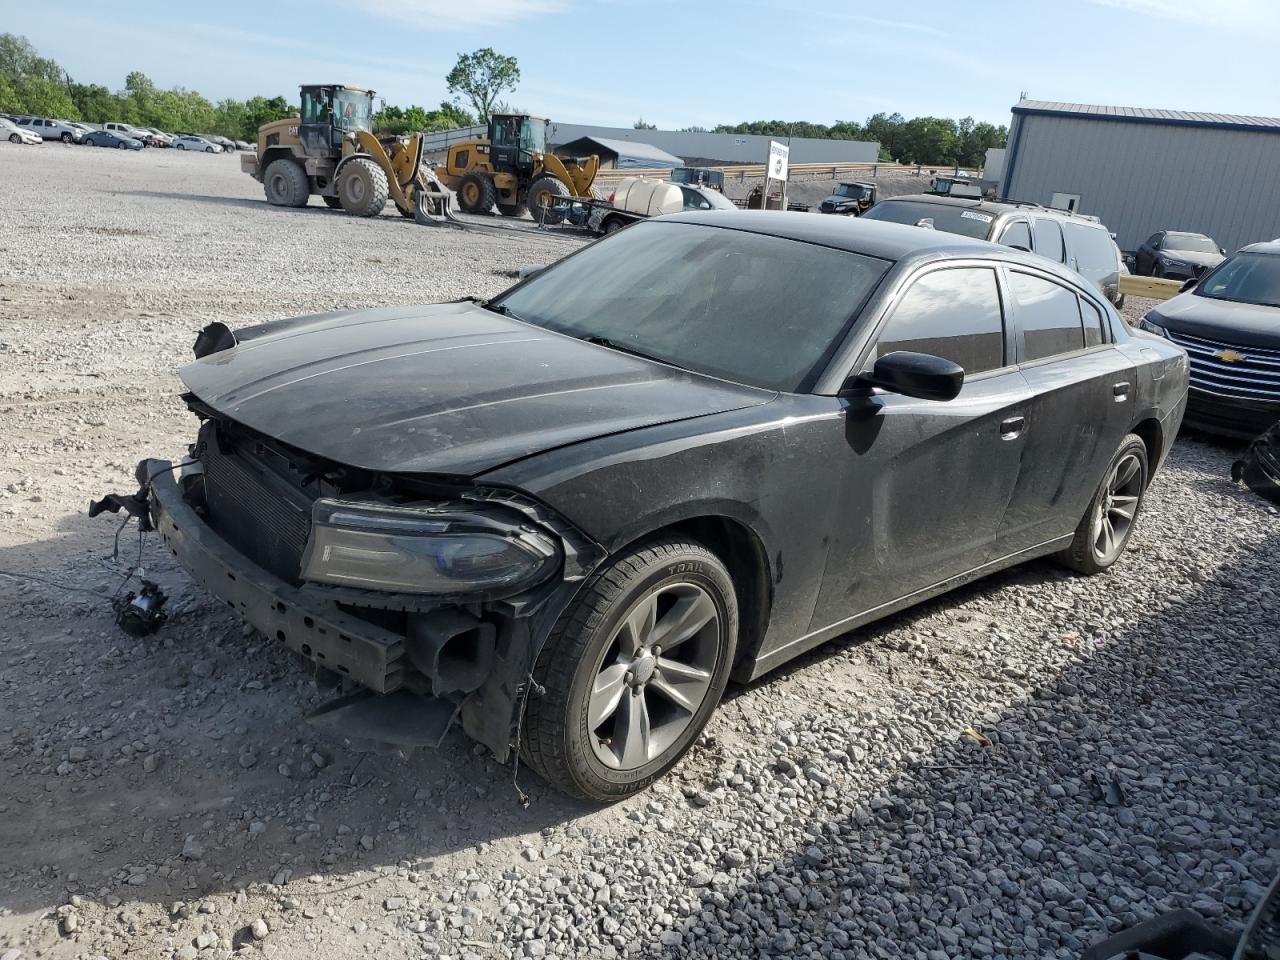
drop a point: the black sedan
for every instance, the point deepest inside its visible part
(109, 138)
(1177, 255)
(568, 516)
(1229, 324)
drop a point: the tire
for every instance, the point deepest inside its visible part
(1104, 531)
(1157, 271)
(476, 193)
(211, 150)
(596, 636)
(362, 187)
(613, 225)
(286, 184)
(333, 203)
(179, 146)
(67, 138)
(122, 145)
(543, 191)
(512, 209)
(14, 138)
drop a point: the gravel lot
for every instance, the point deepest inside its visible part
(163, 798)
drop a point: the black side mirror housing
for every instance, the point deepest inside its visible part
(919, 375)
(1188, 284)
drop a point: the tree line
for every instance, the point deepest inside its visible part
(931, 140)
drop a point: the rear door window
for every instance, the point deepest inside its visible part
(1048, 316)
(1094, 327)
(1017, 234)
(1049, 240)
(953, 313)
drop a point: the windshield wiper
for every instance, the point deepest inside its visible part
(600, 341)
(503, 309)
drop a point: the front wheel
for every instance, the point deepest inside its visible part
(179, 146)
(542, 197)
(122, 146)
(1104, 531)
(210, 150)
(632, 671)
(613, 225)
(67, 138)
(14, 138)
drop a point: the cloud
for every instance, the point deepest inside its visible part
(457, 14)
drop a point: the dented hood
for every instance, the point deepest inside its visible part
(445, 388)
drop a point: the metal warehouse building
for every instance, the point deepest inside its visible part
(1148, 170)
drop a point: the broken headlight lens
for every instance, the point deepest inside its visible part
(446, 549)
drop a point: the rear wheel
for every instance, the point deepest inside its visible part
(286, 183)
(632, 671)
(476, 193)
(512, 209)
(543, 193)
(122, 145)
(613, 225)
(180, 146)
(362, 187)
(14, 138)
(67, 138)
(1104, 531)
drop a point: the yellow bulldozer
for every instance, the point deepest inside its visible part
(511, 169)
(330, 150)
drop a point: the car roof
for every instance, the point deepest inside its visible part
(1271, 247)
(874, 238)
(997, 207)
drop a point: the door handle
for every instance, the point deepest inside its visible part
(1120, 391)
(1011, 428)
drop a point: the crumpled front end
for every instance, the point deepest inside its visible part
(421, 602)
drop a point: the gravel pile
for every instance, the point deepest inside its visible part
(1012, 770)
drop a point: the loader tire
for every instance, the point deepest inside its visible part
(543, 192)
(362, 188)
(476, 193)
(512, 209)
(286, 183)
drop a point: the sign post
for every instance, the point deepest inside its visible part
(776, 169)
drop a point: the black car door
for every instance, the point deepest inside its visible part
(1144, 261)
(925, 483)
(1082, 399)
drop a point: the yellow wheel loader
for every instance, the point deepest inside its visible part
(330, 150)
(512, 170)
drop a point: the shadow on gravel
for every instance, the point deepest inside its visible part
(114, 751)
(205, 198)
(1120, 790)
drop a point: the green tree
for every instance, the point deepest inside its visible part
(45, 98)
(94, 102)
(481, 77)
(642, 125)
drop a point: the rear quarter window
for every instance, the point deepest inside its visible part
(1093, 250)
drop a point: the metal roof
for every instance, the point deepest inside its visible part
(1189, 118)
(629, 152)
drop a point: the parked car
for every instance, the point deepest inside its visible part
(48, 129)
(244, 145)
(850, 199)
(128, 131)
(637, 198)
(1177, 255)
(159, 137)
(227, 146)
(109, 138)
(149, 139)
(591, 485)
(189, 141)
(15, 134)
(1229, 323)
(1080, 242)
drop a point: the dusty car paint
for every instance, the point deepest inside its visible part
(832, 508)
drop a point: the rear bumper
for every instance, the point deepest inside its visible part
(1229, 416)
(337, 641)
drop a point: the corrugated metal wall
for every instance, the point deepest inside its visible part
(715, 146)
(1144, 177)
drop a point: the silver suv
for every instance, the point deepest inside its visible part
(51, 129)
(1081, 242)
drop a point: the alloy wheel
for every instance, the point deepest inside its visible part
(654, 675)
(1117, 508)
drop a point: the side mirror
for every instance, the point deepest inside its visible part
(918, 375)
(1188, 284)
(1222, 250)
(532, 270)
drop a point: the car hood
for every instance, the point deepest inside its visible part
(446, 388)
(835, 198)
(1192, 256)
(1238, 324)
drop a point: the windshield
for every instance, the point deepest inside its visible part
(1191, 242)
(1246, 278)
(351, 111)
(717, 200)
(947, 217)
(533, 136)
(850, 190)
(756, 309)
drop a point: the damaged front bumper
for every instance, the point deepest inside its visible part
(406, 682)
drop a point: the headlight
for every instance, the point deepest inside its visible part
(1149, 325)
(446, 549)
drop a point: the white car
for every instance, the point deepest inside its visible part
(184, 141)
(47, 129)
(16, 134)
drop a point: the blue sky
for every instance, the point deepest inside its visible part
(678, 63)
